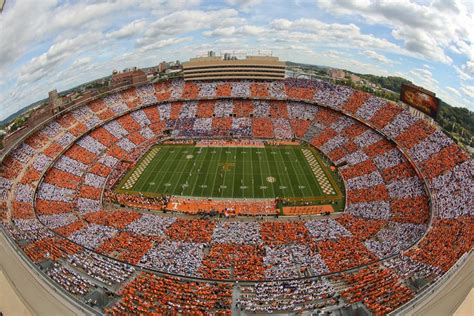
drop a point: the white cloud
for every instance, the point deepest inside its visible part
(454, 100)
(424, 78)
(425, 29)
(161, 8)
(243, 2)
(331, 34)
(129, 30)
(333, 54)
(190, 20)
(81, 62)
(42, 65)
(468, 91)
(48, 19)
(246, 30)
(282, 24)
(468, 68)
(58, 44)
(227, 41)
(245, 5)
(462, 74)
(163, 43)
(360, 67)
(28, 23)
(453, 90)
(221, 31)
(14, 32)
(421, 43)
(378, 57)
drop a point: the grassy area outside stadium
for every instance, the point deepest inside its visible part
(295, 173)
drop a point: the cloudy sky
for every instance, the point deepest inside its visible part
(47, 44)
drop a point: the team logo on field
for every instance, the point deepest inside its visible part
(227, 166)
(271, 179)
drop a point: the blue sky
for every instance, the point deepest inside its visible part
(52, 44)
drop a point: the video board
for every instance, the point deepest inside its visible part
(420, 99)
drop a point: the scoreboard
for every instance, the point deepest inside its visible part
(421, 99)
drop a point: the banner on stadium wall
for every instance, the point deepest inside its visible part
(421, 99)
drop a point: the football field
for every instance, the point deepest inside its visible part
(231, 172)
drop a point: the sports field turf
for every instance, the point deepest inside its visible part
(231, 172)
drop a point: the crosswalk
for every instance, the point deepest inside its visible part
(139, 170)
(318, 172)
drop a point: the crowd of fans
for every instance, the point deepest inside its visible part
(292, 261)
(289, 296)
(387, 207)
(171, 296)
(101, 268)
(326, 229)
(70, 280)
(220, 207)
(379, 288)
(183, 258)
(140, 201)
(394, 238)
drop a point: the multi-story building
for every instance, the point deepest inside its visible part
(252, 67)
(128, 77)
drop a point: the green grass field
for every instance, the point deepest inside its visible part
(232, 172)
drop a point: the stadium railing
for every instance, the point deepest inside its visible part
(409, 306)
(434, 287)
(45, 281)
(432, 207)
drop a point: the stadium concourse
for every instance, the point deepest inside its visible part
(408, 216)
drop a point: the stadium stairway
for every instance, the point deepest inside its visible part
(235, 297)
(313, 130)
